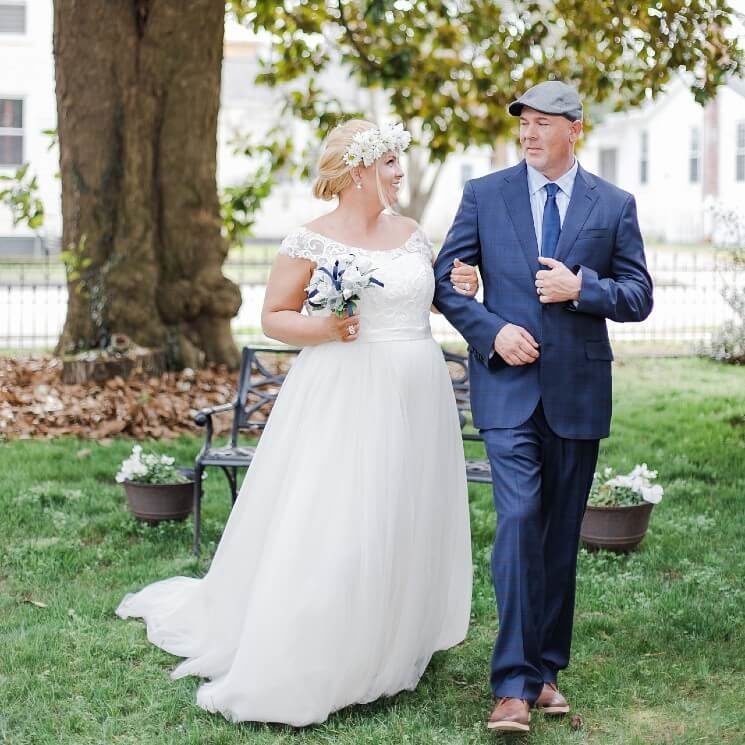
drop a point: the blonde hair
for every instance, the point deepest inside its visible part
(333, 173)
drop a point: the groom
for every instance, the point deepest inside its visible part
(560, 252)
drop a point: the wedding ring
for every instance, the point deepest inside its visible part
(352, 330)
(540, 291)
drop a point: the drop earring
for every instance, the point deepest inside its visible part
(358, 185)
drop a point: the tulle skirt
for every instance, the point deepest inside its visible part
(346, 561)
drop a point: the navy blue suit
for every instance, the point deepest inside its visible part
(541, 422)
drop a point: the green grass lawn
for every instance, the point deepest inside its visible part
(659, 643)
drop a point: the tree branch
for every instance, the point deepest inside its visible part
(371, 64)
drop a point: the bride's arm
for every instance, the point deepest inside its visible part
(281, 317)
(462, 275)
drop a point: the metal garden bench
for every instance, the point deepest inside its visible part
(259, 382)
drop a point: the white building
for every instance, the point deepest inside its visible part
(27, 107)
(674, 154)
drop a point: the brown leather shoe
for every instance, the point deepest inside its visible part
(551, 701)
(510, 715)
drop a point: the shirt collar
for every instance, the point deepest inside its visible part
(536, 180)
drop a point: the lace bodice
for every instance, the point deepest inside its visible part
(399, 310)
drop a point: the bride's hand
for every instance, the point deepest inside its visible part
(343, 329)
(464, 278)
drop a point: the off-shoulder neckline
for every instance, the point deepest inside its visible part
(416, 230)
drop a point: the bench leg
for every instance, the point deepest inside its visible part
(197, 507)
(231, 475)
(234, 484)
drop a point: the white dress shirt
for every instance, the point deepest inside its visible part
(536, 182)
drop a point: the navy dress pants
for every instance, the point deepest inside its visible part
(541, 483)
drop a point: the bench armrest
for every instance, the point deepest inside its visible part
(203, 416)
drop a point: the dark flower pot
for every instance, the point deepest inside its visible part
(615, 528)
(157, 502)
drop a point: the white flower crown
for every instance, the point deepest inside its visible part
(372, 144)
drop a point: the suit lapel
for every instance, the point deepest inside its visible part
(517, 198)
(580, 205)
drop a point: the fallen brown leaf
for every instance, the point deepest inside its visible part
(34, 402)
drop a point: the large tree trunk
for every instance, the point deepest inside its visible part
(138, 91)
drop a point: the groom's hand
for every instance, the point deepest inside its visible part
(557, 284)
(515, 345)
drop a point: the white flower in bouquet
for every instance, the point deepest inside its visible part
(323, 290)
(337, 284)
(363, 264)
(352, 278)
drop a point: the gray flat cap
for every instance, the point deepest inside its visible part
(550, 97)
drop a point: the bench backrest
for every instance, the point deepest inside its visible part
(259, 381)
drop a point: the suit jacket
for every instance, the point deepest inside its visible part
(493, 229)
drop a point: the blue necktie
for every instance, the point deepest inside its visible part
(551, 222)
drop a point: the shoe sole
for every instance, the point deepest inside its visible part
(553, 710)
(508, 726)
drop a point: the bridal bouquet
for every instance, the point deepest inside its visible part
(610, 489)
(337, 284)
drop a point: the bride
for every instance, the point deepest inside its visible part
(346, 561)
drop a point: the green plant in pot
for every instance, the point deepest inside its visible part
(156, 489)
(619, 508)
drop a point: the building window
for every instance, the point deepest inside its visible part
(466, 173)
(11, 132)
(12, 18)
(644, 159)
(740, 152)
(694, 158)
(608, 164)
(238, 74)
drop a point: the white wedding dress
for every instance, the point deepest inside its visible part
(346, 561)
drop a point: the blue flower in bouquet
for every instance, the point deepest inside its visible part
(337, 284)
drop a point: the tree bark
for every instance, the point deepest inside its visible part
(138, 92)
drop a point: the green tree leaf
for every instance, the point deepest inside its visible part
(449, 70)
